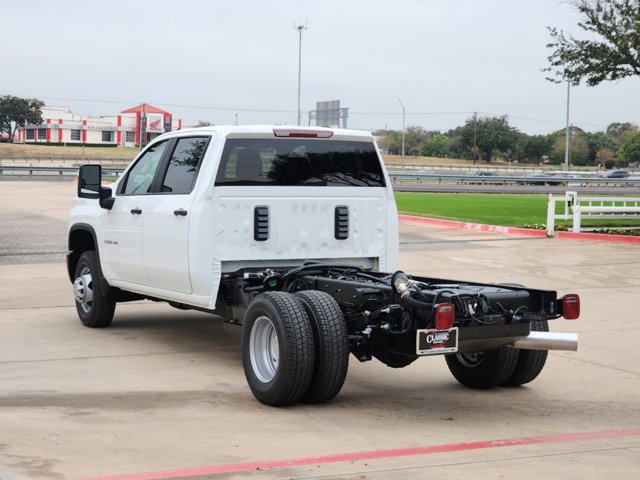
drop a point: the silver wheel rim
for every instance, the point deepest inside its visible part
(470, 360)
(83, 290)
(264, 349)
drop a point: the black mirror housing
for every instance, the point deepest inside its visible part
(90, 186)
(89, 181)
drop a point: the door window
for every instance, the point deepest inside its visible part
(141, 176)
(183, 165)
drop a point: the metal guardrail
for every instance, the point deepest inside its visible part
(41, 170)
(416, 177)
(591, 208)
(396, 177)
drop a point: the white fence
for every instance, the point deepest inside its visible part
(591, 208)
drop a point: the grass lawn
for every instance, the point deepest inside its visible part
(29, 150)
(493, 209)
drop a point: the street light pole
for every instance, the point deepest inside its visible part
(566, 133)
(403, 117)
(299, 28)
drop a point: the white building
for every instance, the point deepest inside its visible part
(61, 126)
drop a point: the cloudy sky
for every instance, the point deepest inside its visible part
(210, 60)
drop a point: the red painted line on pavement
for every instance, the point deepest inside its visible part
(355, 456)
(532, 232)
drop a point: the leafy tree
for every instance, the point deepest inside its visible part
(535, 147)
(597, 143)
(630, 151)
(578, 149)
(617, 129)
(611, 53)
(17, 112)
(437, 146)
(490, 135)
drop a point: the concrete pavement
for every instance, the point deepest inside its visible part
(164, 390)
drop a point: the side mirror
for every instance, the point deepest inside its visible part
(90, 186)
(89, 181)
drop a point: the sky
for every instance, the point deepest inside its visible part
(212, 60)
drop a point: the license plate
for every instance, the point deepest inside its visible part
(436, 342)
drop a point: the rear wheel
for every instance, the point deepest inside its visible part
(530, 362)
(331, 342)
(95, 306)
(483, 369)
(277, 349)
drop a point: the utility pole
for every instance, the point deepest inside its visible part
(299, 28)
(403, 116)
(475, 135)
(236, 118)
(566, 133)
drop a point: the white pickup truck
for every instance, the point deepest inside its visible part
(288, 232)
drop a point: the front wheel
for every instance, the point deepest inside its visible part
(483, 369)
(95, 307)
(277, 349)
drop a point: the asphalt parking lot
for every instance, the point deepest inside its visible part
(162, 394)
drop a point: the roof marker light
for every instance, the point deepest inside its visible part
(292, 133)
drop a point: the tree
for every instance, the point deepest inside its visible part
(630, 151)
(436, 146)
(612, 53)
(535, 147)
(17, 112)
(491, 135)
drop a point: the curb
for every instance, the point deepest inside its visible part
(529, 232)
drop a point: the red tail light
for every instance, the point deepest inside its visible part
(287, 132)
(571, 306)
(445, 315)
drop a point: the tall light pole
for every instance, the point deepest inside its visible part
(566, 133)
(299, 28)
(403, 116)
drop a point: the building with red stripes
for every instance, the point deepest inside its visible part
(61, 126)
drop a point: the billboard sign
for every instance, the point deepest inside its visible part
(155, 123)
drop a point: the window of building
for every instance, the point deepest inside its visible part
(42, 133)
(31, 134)
(76, 135)
(183, 166)
(130, 137)
(107, 136)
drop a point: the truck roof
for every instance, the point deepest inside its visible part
(280, 131)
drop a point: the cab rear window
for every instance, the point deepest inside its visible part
(296, 162)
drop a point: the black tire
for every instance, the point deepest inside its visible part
(95, 306)
(277, 349)
(331, 342)
(530, 362)
(483, 369)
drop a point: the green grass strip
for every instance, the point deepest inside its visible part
(494, 209)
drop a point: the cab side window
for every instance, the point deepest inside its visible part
(183, 165)
(141, 176)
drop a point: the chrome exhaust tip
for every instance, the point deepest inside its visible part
(547, 341)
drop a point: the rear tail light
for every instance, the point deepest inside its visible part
(445, 315)
(288, 132)
(571, 306)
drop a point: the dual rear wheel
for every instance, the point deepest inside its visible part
(507, 366)
(294, 347)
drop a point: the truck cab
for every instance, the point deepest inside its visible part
(201, 202)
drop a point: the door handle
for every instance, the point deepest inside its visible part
(136, 211)
(180, 212)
